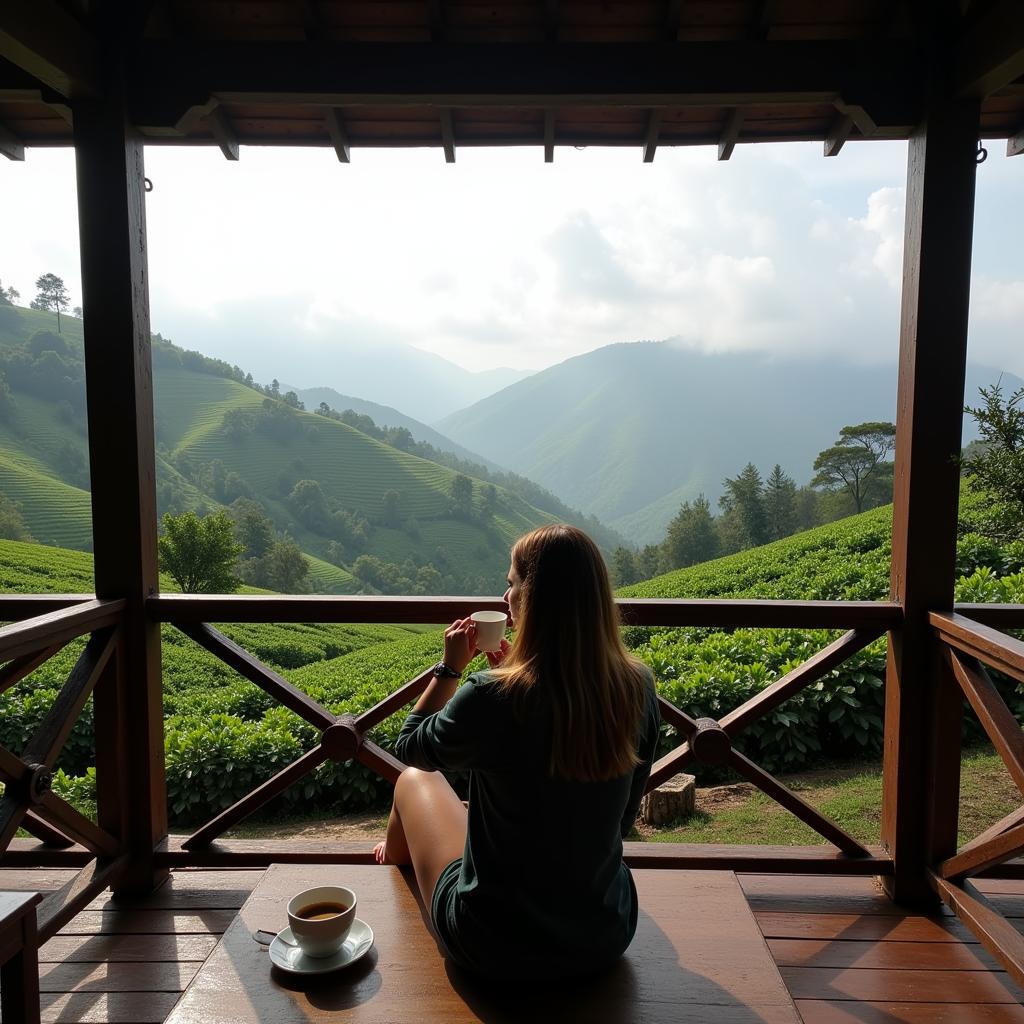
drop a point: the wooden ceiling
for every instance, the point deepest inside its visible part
(349, 74)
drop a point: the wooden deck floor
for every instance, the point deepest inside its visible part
(846, 954)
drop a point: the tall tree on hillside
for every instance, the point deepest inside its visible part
(624, 569)
(852, 462)
(780, 504)
(200, 554)
(997, 464)
(691, 536)
(743, 504)
(462, 495)
(8, 296)
(52, 295)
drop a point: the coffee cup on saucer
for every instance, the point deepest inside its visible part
(321, 917)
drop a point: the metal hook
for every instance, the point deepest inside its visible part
(147, 184)
(982, 155)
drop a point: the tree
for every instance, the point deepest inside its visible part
(390, 501)
(200, 553)
(691, 536)
(743, 503)
(462, 495)
(12, 526)
(996, 464)
(490, 506)
(648, 561)
(77, 312)
(8, 296)
(780, 504)
(854, 459)
(309, 503)
(624, 569)
(253, 528)
(286, 567)
(6, 402)
(51, 294)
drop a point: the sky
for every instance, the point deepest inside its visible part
(503, 261)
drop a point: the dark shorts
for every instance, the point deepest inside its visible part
(442, 910)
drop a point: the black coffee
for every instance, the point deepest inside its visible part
(320, 911)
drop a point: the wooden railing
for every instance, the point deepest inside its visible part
(68, 837)
(28, 801)
(967, 647)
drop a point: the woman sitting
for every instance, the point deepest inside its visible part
(558, 738)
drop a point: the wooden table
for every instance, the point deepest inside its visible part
(19, 957)
(698, 956)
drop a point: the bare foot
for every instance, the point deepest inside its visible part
(380, 853)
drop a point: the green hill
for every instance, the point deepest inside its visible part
(219, 439)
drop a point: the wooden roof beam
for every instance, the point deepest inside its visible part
(43, 39)
(838, 133)
(435, 19)
(168, 77)
(1015, 143)
(673, 18)
(764, 15)
(11, 145)
(730, 134)
(549, 136)
(991, 55)
(224, 133)
(551, 20)
(339, 137)
(653, 129)
(448, 136)
(312, 19)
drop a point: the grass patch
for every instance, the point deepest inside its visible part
(852, 799)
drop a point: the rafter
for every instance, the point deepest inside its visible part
(730, 134)
(651, 138)
(448, 136)
(549, 136)
(838, 133)
(11, 145)
(1015, 144)
(42, 38)
(991, 55)
(224, 133)
(339, 137)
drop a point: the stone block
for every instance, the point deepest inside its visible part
(675, 799)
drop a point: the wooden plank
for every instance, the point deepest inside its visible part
(27, 606)
(1005, 823)
(990, 646)
(817, 894)
(107, 1007)
(887, 956)
(29, 853)
(19, 966)
(1015, 144)
(14, 671)
(74, 895)
(651, 135)
(47, 835)
(339, 137)
(57, 627)
(730, 133)
(256, 799)
(995, 717)
(984, 855)
(899, 986)
(447, 135)
(149, 922)
(776, 924)
(726, 976)
(796, 805)
(34, 879)
(63, 816)
(235, 656)
(44, 39)
(11, 145)
(941, 171)
(377, 758)
(838, 133)
(224, 132)
(771, 697)
(117, 977)
(185, 608)
(126, 948)
(549, 136)
(816, 1011)
(998, 616)
(119, 385)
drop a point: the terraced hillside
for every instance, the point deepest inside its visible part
(219, 439)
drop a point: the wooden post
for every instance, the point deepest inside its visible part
(119, 381)
(920, 793)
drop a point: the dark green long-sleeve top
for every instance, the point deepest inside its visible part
(541, 889)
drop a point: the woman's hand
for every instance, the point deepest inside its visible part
(460, 644)
(497, 657)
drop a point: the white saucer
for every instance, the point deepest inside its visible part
(291, 959)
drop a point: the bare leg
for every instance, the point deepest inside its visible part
(429, 821)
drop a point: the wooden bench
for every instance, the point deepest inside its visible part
(698, 956)
(19, 957)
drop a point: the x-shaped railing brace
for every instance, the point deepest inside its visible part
(28, 799)
(342, 737)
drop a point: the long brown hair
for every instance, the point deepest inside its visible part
(568, 642)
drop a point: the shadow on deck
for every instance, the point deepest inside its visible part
(706, 951)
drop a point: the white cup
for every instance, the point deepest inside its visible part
(490, 628)
(322, 936)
